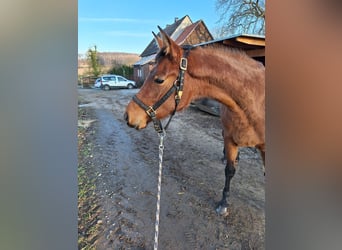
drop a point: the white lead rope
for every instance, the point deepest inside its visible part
(161, 150)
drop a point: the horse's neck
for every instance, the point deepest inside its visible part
(211, 75)
(229, 77)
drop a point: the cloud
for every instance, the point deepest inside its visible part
(116, 20)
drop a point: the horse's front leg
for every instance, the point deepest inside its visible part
(231, 154)
(224, 158)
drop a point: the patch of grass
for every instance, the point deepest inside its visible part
(88, 209)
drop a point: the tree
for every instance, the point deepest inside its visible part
(93, 60)
(124, 70)
(241, 16)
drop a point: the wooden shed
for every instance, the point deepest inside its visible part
(253, 45)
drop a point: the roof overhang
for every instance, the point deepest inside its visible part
(254, 45)
(145, 60)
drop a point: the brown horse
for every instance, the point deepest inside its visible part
(226, 75)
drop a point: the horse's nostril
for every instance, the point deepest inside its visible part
(126, 116)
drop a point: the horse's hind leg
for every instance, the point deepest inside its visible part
(231, 154)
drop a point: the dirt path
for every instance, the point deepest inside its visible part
(126, 168)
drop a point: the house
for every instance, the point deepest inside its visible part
(183, 31)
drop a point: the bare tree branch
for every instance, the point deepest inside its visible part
(241, 16)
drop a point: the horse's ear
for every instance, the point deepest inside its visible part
(158, 40)
(168, 44)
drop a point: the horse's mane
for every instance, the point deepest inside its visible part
(222, 53)
(231, 63)
(225, 52)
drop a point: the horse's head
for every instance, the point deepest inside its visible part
(160, 81)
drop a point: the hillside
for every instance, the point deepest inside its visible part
(110, 58)
(107, 60)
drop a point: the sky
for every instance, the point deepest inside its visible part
(127, 25)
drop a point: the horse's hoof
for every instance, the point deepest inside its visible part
(222, 210)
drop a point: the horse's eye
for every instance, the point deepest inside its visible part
(159, 81)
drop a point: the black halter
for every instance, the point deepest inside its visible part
(176, 87)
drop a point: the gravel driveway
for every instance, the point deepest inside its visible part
(124, 169)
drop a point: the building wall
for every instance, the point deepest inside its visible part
(199, 35)
(141, 72)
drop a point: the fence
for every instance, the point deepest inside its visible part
(87, 81)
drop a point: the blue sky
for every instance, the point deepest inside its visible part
(127, 25)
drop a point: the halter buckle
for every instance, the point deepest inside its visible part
(183, 65)
(151, 112)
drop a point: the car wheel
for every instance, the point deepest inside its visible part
(106, 87)
(130, 86)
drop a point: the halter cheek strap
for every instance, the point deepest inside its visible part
(176, 87)
(151, 110)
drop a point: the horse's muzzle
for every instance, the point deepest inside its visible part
(126, 118)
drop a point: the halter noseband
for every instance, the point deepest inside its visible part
(176, 87)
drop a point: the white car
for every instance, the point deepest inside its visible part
(108, 82)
